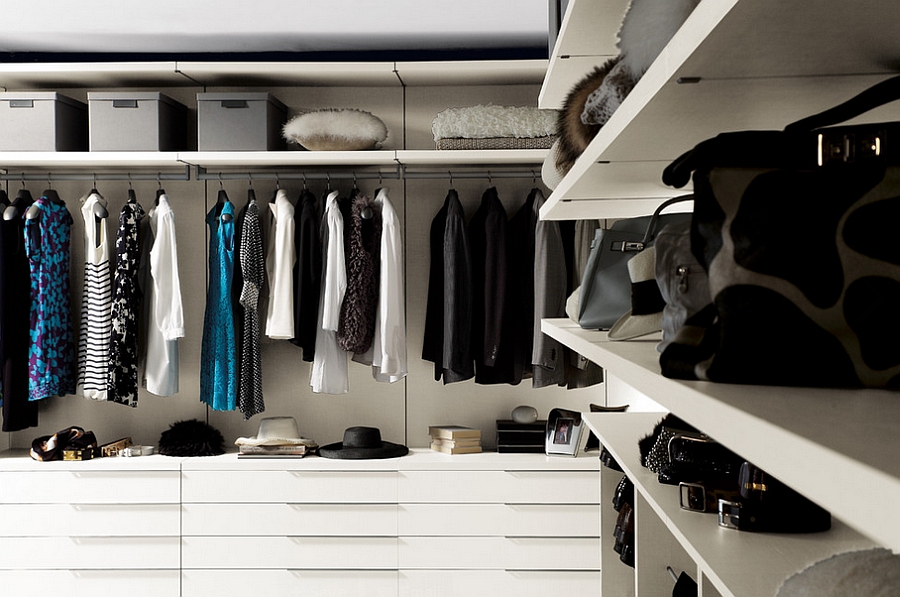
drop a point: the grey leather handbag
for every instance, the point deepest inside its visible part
(605, 293)
(682, 281)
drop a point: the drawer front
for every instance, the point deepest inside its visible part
(290, 486)
(325, 583)
(498, 583)
(85, 553)
(90, 487)
(511, 520)
(289, 519)
(90, 520)
(363, 553)
(511, 487)
(133, 583)
(503, 553)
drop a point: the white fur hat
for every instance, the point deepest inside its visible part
(276, 431)
(645, 315)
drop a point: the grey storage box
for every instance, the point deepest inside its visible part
(42, 121)
(136, 121)
(239, 122)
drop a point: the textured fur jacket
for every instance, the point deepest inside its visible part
(363, 237)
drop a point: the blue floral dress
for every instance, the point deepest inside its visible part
(51, 356)
(218, 368)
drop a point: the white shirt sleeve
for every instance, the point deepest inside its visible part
(169, 312)
(335, 267)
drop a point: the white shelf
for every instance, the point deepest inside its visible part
(24, 76)
(737, 563)
(118, 160)
(761, 65)
(299, 159)
(837, 447)
(472, 157)
(587, 38)
(12, 160)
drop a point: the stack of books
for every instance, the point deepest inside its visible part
(455, 439)
(279, 451)
(521, 437)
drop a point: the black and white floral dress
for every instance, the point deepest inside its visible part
(122, 380)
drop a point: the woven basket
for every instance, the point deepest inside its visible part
(497, 143)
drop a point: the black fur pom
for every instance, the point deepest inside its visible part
(191, 438)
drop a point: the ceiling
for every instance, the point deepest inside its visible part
(274, 26)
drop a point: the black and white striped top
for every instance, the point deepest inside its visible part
(96, 306)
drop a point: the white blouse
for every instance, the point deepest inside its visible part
(388, 352)
(280, 269)
(329, 371)
(166, 322)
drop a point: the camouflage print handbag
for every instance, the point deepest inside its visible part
(797, 231)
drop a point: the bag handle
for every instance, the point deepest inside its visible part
(876, 95)
(651, 226)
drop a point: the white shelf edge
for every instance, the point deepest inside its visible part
(797, 434)
(105, 160)
(718, 552)
(412, 157)
(276, 74)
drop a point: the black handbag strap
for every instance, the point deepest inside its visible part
(876, 95)
(654, 219)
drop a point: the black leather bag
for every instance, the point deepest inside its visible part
(797, 232)
(605, 293)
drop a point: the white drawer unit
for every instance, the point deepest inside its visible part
(426, 524)
(127, 581)
(325, 583)
(325, 553)
(289, 519)
(503, 486)
(103, 527)
(79, 486)
(498, 583)
(289, 486)
(504, 553)
(511, 520)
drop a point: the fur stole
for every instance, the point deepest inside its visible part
(574, 136)
(356, 329)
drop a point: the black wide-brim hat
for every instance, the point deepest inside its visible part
(362, 443)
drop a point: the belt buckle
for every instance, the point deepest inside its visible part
(729, 514)
(693, 496)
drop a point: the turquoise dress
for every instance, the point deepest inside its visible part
(218, 369)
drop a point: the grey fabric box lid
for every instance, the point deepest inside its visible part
(249, 96)
(6, 96)
(103, 96)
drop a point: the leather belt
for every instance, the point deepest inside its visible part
(772, 518)
(698, 497)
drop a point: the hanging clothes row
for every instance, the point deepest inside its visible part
(37, 334)
(334, 287)
(491, 281)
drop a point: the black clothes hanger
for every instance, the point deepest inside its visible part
(132, 197)
(251, 196)
(4, 198)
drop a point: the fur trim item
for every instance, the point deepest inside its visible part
(191, 438)
(574, 135)
(607, 98)
(356, 329)
(489, 121)
(332, 129)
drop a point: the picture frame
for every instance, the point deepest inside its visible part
(565, 429)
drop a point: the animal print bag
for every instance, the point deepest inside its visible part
(797, 230)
